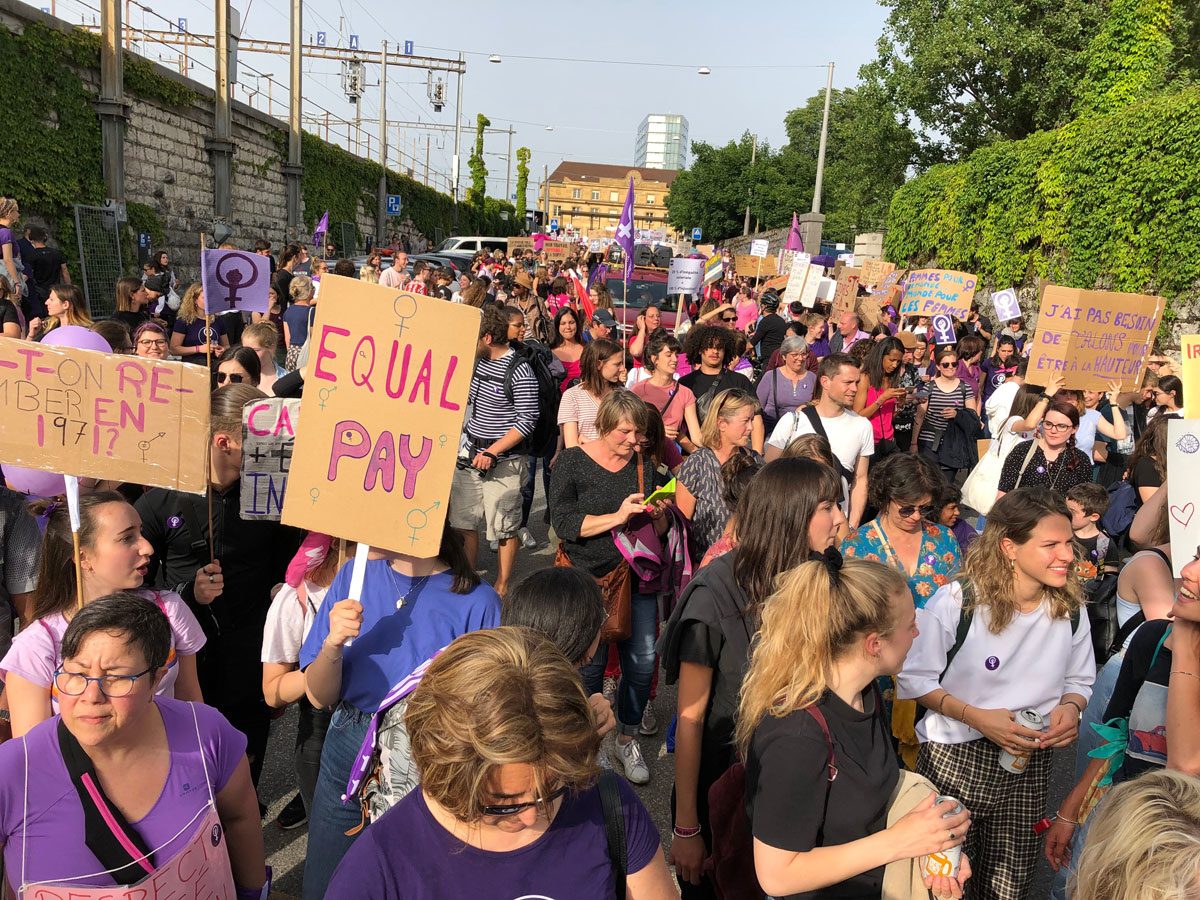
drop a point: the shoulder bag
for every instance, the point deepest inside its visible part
(983, 484)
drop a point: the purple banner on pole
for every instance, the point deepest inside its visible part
(943, 330)
(235, 280)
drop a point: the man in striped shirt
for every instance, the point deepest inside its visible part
(503, 412)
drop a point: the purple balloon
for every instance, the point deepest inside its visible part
(78, 337)
(35, 482)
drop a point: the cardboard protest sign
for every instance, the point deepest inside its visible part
(103, 415)
(383, 408)
(556, 250)
(848, 259)
(754, 265)
(846, 296)
(869, 312)
(798, 277)
(759, 247)
(268, 439)
(684, 276)
(826, 288)
(887, 292)
(1006, 305)
(933, 292)
(1183, 494)
(790, 258)
(235, 280)
(714, 268)
(943, 330)
(813, 284)
(1093, 337)
(1189, 349)
(873, 270)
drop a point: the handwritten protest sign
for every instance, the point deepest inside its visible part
(1183, 494)
(790, 258)
(751, 266)
(684, 276)
(383, 410)
(933, 292)
(235, 280)
(759, 247)
(103, 415)
(845, 297)
(1093, 337)
(268, 438)
(887, 292)
(1006, 305)
(555, 250)
(797, 278)
(1189, 350)
(868, 312)
(813, 285)
(874, 270)
(714, 268)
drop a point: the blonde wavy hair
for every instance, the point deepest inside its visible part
(498, 697)
(815, 616)
(1145, 842)
(189, 306)
(990, 572)
(725, 405)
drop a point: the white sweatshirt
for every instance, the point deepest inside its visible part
(1031, 664)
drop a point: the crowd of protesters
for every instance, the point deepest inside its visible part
(876, 634)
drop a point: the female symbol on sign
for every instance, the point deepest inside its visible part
(233, 277)
(405, 307)
(314, 493)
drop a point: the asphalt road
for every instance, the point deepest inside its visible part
(286, 849)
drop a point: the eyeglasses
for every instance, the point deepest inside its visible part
(158, 342)
(948, 365)
(1057, 426)
(797, 354)
(232, 379)
(73, 684)
(511, 809)
(906, 512)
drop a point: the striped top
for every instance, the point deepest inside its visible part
(938, 401)
(491, 414)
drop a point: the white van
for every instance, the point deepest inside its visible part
(466, 244)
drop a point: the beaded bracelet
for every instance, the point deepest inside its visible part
(685, 832)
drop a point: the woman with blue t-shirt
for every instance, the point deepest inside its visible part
(410, 609)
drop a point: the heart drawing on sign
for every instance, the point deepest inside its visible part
(1183, 514)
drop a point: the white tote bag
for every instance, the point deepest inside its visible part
(983, 484)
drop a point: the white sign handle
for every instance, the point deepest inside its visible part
(357, 575)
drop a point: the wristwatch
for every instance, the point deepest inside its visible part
(1044, 396)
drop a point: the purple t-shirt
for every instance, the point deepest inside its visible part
(569, 860)
(54, 829)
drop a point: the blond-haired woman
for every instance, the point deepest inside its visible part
(65, 306)
(196, 335)
(726, 430)
(298, 317)
(504, 743)
(9, 214)
(1006, 637)
(1145, 842)
(828, 632)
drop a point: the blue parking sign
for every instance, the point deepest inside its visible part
(696, 234)
(393, 204)
(354, 42)
(554, 224)
(320, 39)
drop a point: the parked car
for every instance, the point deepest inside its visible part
(467, 244)
(646, 286)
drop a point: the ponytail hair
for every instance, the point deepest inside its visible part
(819, 611)
(55, 591)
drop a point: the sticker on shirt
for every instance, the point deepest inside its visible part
(992, 663)
(1147, 725)
(174, 522)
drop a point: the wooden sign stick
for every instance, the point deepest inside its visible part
(212, 556)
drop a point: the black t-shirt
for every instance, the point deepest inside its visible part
(283, 281)
(769, 335)
(1140, 696)
(46, 263)
(790, 801)
(1144, 475)
(8, 313)
(699, 384)
(131, 319)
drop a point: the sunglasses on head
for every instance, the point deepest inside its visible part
(906, 512)
(511, 809)
(232, 379)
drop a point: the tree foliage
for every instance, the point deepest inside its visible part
(523, 154)
(478, 190)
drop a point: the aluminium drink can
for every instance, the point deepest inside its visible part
(945, 862)
(1016, 763)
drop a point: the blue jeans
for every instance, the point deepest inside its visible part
(637, 665)
(530, 484)
(1102, 691)
(330, 820)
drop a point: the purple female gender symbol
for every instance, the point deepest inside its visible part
(231, 277)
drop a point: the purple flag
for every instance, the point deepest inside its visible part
(625, 232)
(794, 241)
(321, 229)
(235, 280)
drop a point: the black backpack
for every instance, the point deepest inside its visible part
(549, 372)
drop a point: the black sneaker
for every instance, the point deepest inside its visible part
(292, 815)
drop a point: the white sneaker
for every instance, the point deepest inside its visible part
(528, 541)
(495, 546)
(649, 724)
(631, 759)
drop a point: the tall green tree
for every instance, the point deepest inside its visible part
(974, 71)
(712, 192)
(523, 155)
(478, 189)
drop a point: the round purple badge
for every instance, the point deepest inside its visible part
(215, 835)
(1041, 470)
(992, 663)
(174, 522)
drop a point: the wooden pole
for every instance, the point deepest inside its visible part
(208, 445)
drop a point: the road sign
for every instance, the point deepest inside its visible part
(514, 196)
(320, 39)
(46, 10)
(182, 24)
(393, 204)
(696, 234)
(354, 42)
(554, 224)
(408, 48)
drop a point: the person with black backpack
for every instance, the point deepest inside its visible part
(503, 414)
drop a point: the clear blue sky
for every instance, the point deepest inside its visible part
(594, 108)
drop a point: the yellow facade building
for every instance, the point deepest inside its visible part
(588, 198)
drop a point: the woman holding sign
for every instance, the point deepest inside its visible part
(113, 556)
(196, 335)
(128, 787)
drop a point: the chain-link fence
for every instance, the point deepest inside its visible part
(99, 257)
(349, 244)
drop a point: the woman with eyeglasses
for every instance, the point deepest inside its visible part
(238, 365)
(150, 341)
(113, 556)
(941, 399)
(1051, 460)
(127, 786)
(1168, 396)
(789, 386)
(504, 744)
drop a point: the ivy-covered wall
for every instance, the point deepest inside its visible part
(1108, 202)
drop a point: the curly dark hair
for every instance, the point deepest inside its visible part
(905, 478)
(706, 337)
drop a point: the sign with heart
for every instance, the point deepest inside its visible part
(1183, 493)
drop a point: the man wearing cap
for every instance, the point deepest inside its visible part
(537, 316)
(771, 329)
(603, 325)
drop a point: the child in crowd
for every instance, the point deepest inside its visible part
(1088, 502)
(949, 514)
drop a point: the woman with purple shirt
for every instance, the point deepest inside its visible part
(122, 786)
(1000, 367)
(970, 351)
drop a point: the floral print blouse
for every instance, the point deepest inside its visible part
(938, 562)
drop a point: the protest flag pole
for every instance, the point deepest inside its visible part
(72, 483)
(208, 446)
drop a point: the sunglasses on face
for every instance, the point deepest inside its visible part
(222, 377)
(728, 318)
(948, 365)
(907, 512)
(512, 809)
